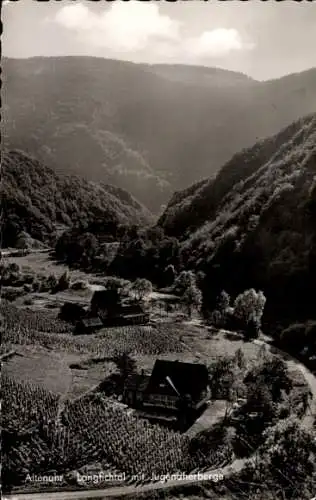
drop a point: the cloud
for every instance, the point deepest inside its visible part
(74, 17)
(125, 27)
(216, 43)
(140, 29)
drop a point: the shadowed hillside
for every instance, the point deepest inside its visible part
(38, 202)
(148, 129)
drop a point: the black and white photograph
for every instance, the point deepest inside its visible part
(158, 250)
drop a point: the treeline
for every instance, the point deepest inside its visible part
(37, 204)
(132, 252)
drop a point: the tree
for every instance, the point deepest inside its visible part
(22, 240)
(287, 458)
(114, 283)
(273, 374)
(252, 329)
(52, 282)
(305, 398)
(126, 365)
(221, 377)
(90, 247)
(169, 275)
(184, 281)
(299, 336)
(223, 301)
(10, 274)
(191, 295)
(64, 281)
(141, 287)
(248, 310)
(216, 318)
(257, 413)
(14, 268)
(259, 401)
(263, 354)
(240, 359)
(192, 298)
(220, 315)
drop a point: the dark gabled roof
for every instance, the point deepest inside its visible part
(137, 382)
(128, 309)
(173, 377)
(105, 297)
(91, 322)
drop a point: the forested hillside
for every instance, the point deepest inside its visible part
(254, 224)
(148, 129)
(193, 206)
(38, 204)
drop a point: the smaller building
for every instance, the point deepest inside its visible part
(135, 388)
(72, 312)
(108, 306)
(88, 325)
(133, 314)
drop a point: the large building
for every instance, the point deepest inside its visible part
(175, 392)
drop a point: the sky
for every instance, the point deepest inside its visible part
(262, 39)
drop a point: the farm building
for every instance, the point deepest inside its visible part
(72, 312)
(105, 300)
(88, 325)
(107, 305)
(131, 314)
(174, 392)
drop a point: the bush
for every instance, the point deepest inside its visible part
(79, 285)
(11, 293)
(252, 329)
(248, 311)
(192, 299)
(169, 275)
(223, 301)
(115, 283)
(28, 301)
(299, 336)
(64, 282)
(183, 282)
(217, 319)
(27, 288)
(36, 285)
(52, 282)
(140, 288)
(29, 278)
